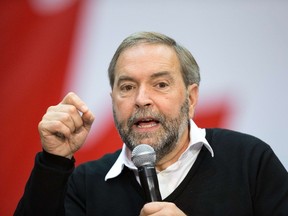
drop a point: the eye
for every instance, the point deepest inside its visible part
(162, 85)
(126, 88)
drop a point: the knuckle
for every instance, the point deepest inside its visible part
(65, 117)
(50, 108)
(70, 97)
(71, 94)
(55, 126)
(40, 125)
(72, 109)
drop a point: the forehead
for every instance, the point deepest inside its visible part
(147, 58)
(145, 49)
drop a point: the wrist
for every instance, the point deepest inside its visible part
(56, 161)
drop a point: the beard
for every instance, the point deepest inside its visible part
(164, 139)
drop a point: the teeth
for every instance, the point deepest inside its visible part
(146, 125)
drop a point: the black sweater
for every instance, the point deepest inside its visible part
(243, 178)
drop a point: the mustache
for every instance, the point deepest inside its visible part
(145, 114)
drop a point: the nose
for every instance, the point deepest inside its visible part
(143, 98)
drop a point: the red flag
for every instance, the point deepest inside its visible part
(35, 49)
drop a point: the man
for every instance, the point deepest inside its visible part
(154, 84)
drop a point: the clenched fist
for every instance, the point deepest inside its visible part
(64, 127)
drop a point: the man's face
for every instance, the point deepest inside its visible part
(151, 104)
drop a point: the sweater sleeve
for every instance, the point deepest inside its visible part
(271, 194)
(45, 190)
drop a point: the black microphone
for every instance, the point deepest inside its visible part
(144, 157)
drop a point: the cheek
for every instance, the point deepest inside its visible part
(170, 106)
(122, 109)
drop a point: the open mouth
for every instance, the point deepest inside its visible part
(146, 123)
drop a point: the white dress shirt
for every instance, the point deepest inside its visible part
(172, 176)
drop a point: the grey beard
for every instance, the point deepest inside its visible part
(166, 139)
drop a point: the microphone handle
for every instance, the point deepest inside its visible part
(149, 182)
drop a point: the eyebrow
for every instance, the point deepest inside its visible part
(124, 78)
(160, 74)
(153, 76)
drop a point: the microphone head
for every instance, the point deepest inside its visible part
(142, 155)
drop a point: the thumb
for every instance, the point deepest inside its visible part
(88, 119)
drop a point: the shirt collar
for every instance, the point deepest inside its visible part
(124, 159)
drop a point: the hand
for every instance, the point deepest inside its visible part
(64, 127)
(161, 208)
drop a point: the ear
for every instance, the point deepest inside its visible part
(193, 92)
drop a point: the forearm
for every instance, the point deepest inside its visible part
(45, 190)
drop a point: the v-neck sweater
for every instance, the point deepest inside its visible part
(243, 178)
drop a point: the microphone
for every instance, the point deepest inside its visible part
(144, 157)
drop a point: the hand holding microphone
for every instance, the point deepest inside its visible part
(144, 157)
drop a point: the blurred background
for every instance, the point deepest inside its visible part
(50, 47)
